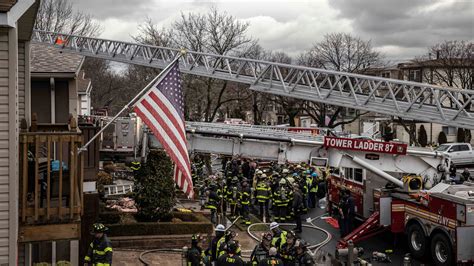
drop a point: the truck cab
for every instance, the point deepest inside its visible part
(461, 153)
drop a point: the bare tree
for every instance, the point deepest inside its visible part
(59, 16)
(211, 32)
(340, 52)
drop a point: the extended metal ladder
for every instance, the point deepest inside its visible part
(405, 99)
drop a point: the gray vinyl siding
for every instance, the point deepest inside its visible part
(21, 80)
(4, 149)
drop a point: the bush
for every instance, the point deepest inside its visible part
(442, 138)
(154, 188)
(422, 136)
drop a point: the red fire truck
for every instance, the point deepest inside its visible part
(436, 217)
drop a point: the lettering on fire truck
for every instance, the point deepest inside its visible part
(365, 145)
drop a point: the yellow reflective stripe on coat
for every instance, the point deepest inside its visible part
(102, 264)
(107, 249)
(87, 258)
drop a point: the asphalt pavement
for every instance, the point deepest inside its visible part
(380, 243)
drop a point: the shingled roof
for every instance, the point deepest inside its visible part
(83, 83)
(47, 59)
(6, 5)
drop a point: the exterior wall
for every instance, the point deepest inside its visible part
(73, 98)
(8, 145)
(84, 104)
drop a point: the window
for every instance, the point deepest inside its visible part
(449, 131)
(354, 174)
(454, 148)
(414, 75)
(463, 148)
(358, 175)
(386, 74)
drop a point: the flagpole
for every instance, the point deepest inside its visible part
(157, 79)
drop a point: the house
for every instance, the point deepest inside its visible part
(41, 172)
(84, 90)
(16, 25)
(55, 84)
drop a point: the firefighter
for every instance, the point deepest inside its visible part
(312, 184)
(263, 193)
(466, 175)
(350, 212)
(216, 242)
(231, 258)
(244, 200)
(287, 250)
(194, 255)
(297, 206)
(303, 258)
(281, 199)
(260, 252)
(289, 201)
(279, 235)
(222, 247)
(212, 204)
(135, 166)
(272, 259)
(304, 190)
(233, 196)
(100, 251)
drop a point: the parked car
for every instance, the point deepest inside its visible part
(461, 153)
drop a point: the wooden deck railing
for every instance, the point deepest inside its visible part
(51, 173)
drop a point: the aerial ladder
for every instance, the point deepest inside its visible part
(398, 98)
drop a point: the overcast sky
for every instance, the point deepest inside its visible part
(400, 29)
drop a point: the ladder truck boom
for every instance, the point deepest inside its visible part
(405, 99)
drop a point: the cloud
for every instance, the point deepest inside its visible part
(398, 28)
(409, 25)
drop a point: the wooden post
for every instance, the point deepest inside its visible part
(36, 175)
(24, 196)
(60, 177)
(72, 171)
(81, 182)
(48, 178)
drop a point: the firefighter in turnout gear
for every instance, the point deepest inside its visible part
(100, 251)
(272, 259)
(222, 247)
(302, 256)
(244, 200)
(287, 250)
(194, 255)
(212, 204)
(218, 240)
(233, 196)
(312, 184)
(262, 194)
(135, 166)
(231, 258)
(281, 200)
(279, 236)
(260, 252)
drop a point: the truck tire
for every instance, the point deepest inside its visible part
(441, 250)
(416, 241)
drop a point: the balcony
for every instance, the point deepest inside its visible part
(51, 177)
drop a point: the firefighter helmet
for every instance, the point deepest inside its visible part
(274, 225)
(285, 171)
(99, 228)
(220, 228)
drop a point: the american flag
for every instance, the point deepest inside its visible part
(162, 110)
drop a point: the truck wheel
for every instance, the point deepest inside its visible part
(416, 241)
(441, 250)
